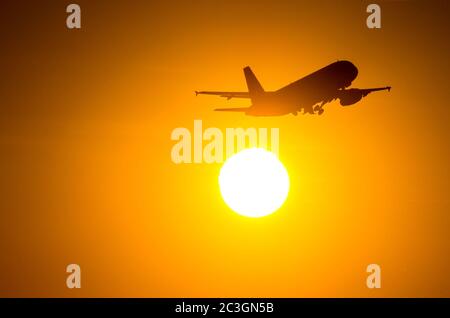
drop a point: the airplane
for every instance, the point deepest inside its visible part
(309, 93)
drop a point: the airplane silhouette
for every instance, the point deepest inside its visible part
(309, 93)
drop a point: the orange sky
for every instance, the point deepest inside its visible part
(87, 178)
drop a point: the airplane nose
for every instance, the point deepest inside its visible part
(347, 72)
(354, 70)
(350, 69)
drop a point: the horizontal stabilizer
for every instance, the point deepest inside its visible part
(236, 109)
(227, 95)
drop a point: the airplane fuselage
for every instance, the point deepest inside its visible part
(309, 93)
(322, 85)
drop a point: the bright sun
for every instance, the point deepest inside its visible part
(254, 182)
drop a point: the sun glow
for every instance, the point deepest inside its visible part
(254, 182)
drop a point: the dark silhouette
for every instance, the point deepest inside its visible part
(310, 93)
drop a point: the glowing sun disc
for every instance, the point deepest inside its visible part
(254, 182)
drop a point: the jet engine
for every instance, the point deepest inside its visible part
(350, 96)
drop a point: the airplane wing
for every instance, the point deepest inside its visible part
(227, 95)
(353, 95)
(366, 91)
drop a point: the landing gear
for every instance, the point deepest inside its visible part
(319, 109)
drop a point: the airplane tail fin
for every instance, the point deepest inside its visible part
(255, 89)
